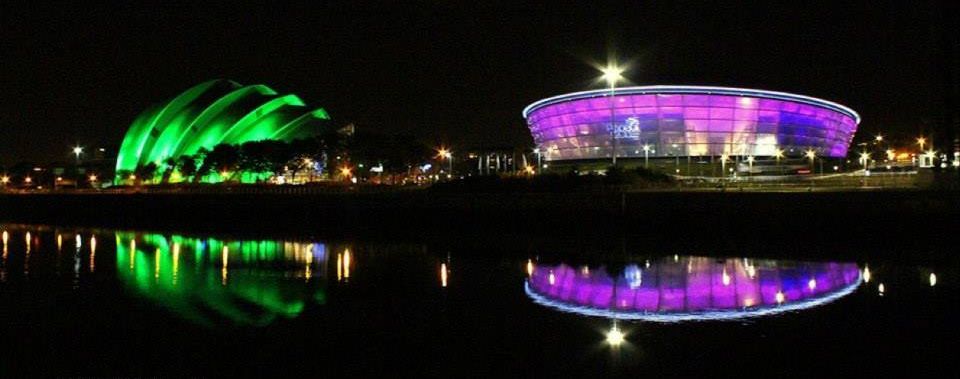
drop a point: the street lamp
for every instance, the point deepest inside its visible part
(864, 159)
(611, 74)
(443, 153)
(537, 151)
(778, 153)
(921, 141)
(723, 164)
(750, 160)
(646, 155)
(811, 155)
(77, 150)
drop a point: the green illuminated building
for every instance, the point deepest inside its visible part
(212, 113)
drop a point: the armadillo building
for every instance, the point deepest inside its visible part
(215, 112)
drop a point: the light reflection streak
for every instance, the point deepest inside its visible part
(93, 252)
(443, 275)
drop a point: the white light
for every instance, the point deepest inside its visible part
(725, 277)
(881, 289)
(552, 279)
(443, 274)
(780, 297)
(866, 274)
(611, 74)
(812, 284)
(615, 336)
(933, 279)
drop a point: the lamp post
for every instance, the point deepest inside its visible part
(750, 162)
(539, 165)
(812, 156)
(779, 155)
(646, 155)
(611, 74)
(921, 141)
(723, 165)
(77, 150)
(449, 157)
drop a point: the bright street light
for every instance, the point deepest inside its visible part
(77, 151)
(611, 74)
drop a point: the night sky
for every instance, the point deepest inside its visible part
(455, 72)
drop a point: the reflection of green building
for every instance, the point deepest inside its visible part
(217, 283)
(211, 113)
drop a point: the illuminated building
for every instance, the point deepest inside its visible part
(212, 113)
(670, 121)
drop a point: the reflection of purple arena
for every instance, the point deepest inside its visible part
(688, 121)
(692, 288)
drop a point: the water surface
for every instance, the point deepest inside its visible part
(77, 301)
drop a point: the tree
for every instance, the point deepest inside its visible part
(223, 158)
(203, 169)
(169, 165)
(145, 172)
(187, 165)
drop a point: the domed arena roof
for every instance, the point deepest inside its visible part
(215, 112)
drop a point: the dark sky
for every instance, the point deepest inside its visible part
(451, 71)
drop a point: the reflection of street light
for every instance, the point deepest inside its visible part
(611, 74)
(615, 337)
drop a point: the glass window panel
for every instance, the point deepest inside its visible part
(702, 113)
(696, 100)
(721, 113)
(721, 125)
(669, 100)
(671, 125)
(745, 114)
(723, 101)
(671, 112)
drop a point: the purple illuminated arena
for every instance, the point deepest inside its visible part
(669, 121)
(692, 288)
